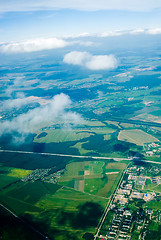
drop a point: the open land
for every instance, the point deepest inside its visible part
(63, 196)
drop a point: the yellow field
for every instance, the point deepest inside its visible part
(19, 173)
(136, 136)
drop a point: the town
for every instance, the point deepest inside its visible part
(133, 212)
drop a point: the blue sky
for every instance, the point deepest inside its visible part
(21, 20)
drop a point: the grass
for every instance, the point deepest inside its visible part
(116, 166)
(113, 123)
(94, 123)
(53, 207)
(153, 187)
(61, 135)
(62, 212)
(127, 125)
(136, 136)
(65, 209)
(107, 137)
(104, 130)
(7, 180)
(77, 169)
(93, 173)
(156, 205)
(81, 150)
(68, 199)
(110, 186)
(93, 185)
(31, 192)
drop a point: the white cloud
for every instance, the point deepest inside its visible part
(21, 101)
(28, 122)
(14, 103)
(85, 59)
(116, 33)
(39, 44)
(154, 31)
(132, 32)
(102, 62)
(137, 31)
(33, 45)
(111, 34)
(89, 5)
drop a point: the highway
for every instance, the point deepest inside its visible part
(82, 156)
(67, 155)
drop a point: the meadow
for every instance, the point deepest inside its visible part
(54, 207)
(136, 136)
(97, 177)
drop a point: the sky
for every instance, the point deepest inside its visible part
(28, 26)
(22, 20)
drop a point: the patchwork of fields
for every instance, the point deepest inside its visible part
(73, 206)
(94, 177)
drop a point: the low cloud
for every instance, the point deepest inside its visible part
(21, 101)
(57, 109)
(15, 103)
(92, 62)
(39, 44)
(154, 31)
(33, 45)
(137, 31)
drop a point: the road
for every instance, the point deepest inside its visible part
(132, 121)
(78, 156)
(67, 155)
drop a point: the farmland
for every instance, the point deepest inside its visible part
(99, 178)
(136, 136)
(72, 206)
(63, 136)
(81, 116)
(62, 206)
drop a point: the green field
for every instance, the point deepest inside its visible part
(82, 170)
(153, 187)
(71, 211)
(6, 180)
(136, 136)
(94, 124)
(55, 207)
(94, 177)
(156, 205)
(61, 135)
(81, 150)
(116, 166)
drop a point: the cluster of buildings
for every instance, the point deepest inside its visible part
(36, 175)
(54, 177)
(45, 175)
(132, 187)
(152, 148)
(125, 219)
(121, 225)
